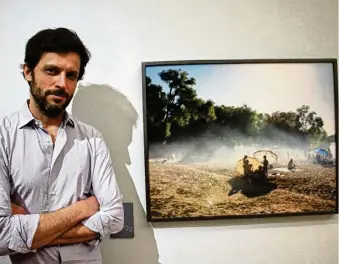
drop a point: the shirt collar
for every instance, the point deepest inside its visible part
(26, 117)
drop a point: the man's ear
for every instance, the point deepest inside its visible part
(27, 73)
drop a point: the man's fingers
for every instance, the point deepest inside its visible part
(16, 209)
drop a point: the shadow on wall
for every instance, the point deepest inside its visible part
(114, 116)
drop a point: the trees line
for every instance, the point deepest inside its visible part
(179, 114)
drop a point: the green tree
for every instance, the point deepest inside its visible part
(310, 125)
(181, 93)
(156, 102)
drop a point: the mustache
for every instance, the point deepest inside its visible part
(59, 92)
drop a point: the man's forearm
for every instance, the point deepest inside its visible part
(77, 234)
(52, 225)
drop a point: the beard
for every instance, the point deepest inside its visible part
(50, 110)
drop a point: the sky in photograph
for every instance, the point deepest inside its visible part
(264, 87)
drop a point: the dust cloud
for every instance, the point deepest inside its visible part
(232, 147)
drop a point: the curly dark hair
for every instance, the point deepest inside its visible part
(58, 40)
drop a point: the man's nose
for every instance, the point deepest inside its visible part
(61, 82)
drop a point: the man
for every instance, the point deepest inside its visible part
(58, 192)
(245, 165)
(291, 165)
(265, 165)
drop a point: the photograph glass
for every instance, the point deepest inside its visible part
(231, 139)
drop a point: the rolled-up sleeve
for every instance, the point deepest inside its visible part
(17, 231)
(110, 218)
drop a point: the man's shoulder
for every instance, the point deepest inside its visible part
(10, 121)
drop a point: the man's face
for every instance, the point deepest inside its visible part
(53, 82)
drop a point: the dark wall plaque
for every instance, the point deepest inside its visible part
(128, 229)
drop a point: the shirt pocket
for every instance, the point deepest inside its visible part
(73, 178)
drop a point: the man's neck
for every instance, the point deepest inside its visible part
(45, 120)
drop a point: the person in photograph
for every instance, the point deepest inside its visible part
(265, 165)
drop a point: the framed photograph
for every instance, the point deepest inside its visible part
(240, 138)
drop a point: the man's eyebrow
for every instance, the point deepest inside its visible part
(50, 66)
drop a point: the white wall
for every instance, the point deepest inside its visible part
(122, 34)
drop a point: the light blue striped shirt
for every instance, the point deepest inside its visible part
(42, 177)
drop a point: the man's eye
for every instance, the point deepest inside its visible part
(72, 77)
(51, 71)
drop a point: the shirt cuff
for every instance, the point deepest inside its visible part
(23, 231)
(91, 223)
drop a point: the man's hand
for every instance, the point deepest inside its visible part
(16, 209)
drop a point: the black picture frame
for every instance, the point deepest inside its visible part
(159, 210)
